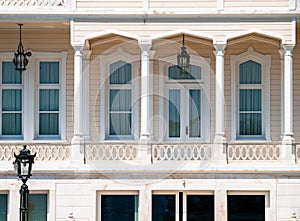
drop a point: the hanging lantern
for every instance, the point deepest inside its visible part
(20, 60)
(183, 59)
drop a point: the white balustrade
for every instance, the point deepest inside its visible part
(256, 152)
(32, 3)
(180, 152)
(44, 152)
(110, 152)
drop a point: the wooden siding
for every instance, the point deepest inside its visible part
(217, 29)
(109, 5)
(179, 4)
(296, 88)
(256, 5)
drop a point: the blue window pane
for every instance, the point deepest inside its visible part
(12, 124)
(49, 72)
(48, 124)
(176, 73)
(200, 207)
(250, 100)
(250, 72)
(195, 113)
(3, 207)
(120, 124)
(163, 207)
(49, 100)
(11, 100)
(9, 74)
(250, 124)
(37, 207)
(119, 100)
(119, 208)
(120, 73)
(246, 208)
(174, 113)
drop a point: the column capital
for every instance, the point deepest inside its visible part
(288, 49)
(219, 49)
(145, 44)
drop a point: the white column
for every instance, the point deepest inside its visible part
(146, 94)
(78, 97)
(85, 94)
(288, 95)
(220, 104)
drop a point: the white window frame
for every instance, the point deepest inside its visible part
(105, 61)
(7, 56)
(185, 193)
(49, 57)
(268, 206)
(165, 83)
(265, 61)
(113, 192)
(49, 201)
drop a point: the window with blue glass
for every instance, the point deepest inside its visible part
(120, 99)
(3, 207)
(250, 99)
(197, 207)
(184, 103)
(246, 207)
(49, 98)
(11, 101)
(119, 207)
(37, 207)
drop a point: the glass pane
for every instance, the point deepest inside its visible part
(246, 208)
(174, 113)
(120, 123)
(200, 207)
(119, 208)
(11, 100)
(195, 113)
(163, 207)
(37, 207)
(49, 100)
(250, 73)
(49, 72)
(48, 124)
(250, 100)
(12, 124)
(3, 207)
(9, 74)
(120, 100)
(250, 124)
(120, 73)
(176, 72)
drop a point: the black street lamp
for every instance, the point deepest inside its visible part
(23, 166)
(183, 58)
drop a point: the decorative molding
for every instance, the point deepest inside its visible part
(32, 3)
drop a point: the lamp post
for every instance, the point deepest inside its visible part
(23, 166)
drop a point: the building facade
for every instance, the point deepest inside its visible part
(121, 131)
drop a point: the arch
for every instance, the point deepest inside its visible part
(184, 31)
(109, 32)
(267, 34)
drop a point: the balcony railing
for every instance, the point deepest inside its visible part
(181, 152)
(44, 152)
(34, 3)
(254, 153)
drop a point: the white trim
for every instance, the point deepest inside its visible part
(105, 61)
(265, 61)
(204, 63)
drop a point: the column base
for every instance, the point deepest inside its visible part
(77, 150)
(288, 153)
(219, 151)
(144, 149)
